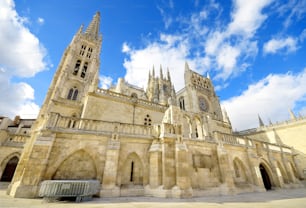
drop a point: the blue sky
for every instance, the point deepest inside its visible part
(254, 51)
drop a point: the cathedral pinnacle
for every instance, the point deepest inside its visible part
(261, 123)
(161, 72)
(186, 66)
(93, 28)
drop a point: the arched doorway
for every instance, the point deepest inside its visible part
(265, 177)
(9, 170)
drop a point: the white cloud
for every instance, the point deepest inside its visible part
(227, 59)
(276, 45)
(225, 49)
(125, 48)
(105, 82)
(20, 51)
(22, 55)
(271, 98)
(18, 100)
(292, 10)
(247, 16)
(170, 51)
(40, 20)
(229, 48)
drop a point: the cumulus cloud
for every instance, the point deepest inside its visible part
(169, 51)
(21, 55)
(17, 99)
(230, 56)
(270, 97)
(247, 17)
(225, 50)
(105, 81)
(273, 46)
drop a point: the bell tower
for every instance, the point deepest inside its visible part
(160, 89)
(199, 95)
(77, 73)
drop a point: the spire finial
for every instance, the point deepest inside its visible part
(225, 116)
(168, 75)
(161, 72)
(153, 72)
(292, 115)
(186, 66)
(93, 28)
(261, 123)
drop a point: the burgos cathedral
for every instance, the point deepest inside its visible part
(135, 142)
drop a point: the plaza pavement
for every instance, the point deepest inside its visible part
(285, 198)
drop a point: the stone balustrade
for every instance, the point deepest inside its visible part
(57, 121)
(16, 140)
(130, 99)
(244, 141)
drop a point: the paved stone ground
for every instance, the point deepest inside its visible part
(285, 198)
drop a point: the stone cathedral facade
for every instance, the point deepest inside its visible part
(136, 142)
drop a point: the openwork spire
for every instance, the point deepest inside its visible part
(93, 28)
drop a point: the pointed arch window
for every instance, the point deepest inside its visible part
(82, 51)
(132, 172)
(73, 94)
(76, 67)
(236, 168)
(89, 52)
(182, 103)
(84, 70)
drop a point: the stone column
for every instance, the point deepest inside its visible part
(32, 166)
(254, 168)
(182, 171)
(297, 164)
(228, 186)
(155, 164)
(168, 163)
(109, 188)
(288, 170)
(276, 173)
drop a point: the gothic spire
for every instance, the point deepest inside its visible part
(292, 116)
(161, 72)
(153, 72)
(261, 123)
(168, 75)
(186, 66)
(225, 116)
(93, 28)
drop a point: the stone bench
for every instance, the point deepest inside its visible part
(81, 190)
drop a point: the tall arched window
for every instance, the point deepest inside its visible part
(84, 70)
(82, 51)
(132, 172)
(73, 94)
(236, 168)
(182, 103)
(76, 67)
(89, 53)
